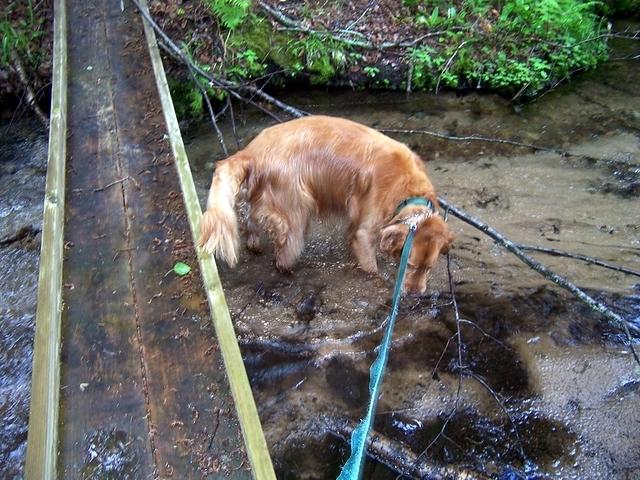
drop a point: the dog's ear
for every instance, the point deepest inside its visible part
(392, 239)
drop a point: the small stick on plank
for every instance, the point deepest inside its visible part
(99, 189)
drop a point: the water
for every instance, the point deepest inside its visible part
(566, 381)
(23, 157)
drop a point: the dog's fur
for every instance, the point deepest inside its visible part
(316, 166)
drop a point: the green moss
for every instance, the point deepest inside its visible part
(187, 99)
(293, 53)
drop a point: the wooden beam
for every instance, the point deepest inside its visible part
(45, 379)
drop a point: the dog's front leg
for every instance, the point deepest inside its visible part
(362, 240)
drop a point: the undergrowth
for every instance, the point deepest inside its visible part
(20, 29)
(519, 48)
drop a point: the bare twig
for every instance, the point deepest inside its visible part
(448, 64)
(503, 407)
(212, 115)
(595, 305)
(584, 258)
(459, 367)
(233, 121)
(471, 138)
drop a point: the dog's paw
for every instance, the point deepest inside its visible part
(288, 271)
(256, 249)
(371, 269)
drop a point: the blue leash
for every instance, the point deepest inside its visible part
(352, 470)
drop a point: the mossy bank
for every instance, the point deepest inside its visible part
(519, 48)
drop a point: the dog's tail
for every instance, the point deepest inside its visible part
(219, 226)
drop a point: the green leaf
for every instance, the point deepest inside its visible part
(181, 268)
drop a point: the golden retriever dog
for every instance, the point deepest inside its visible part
(321, 166)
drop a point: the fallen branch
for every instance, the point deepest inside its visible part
(227, 85)
(30, 95)
(478, 138)
(548, 274)
(291, 24)
(584, 258)
(395, 455)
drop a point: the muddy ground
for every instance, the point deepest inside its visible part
(568, 383)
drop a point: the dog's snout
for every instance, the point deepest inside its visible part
(415, 283)
(414, 289)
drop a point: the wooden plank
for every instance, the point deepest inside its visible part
(103, 403)
(45, 379)
(245, 405)
(195, 431)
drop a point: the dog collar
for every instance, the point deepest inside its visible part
(425, 202)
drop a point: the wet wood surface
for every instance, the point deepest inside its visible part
(142, 376)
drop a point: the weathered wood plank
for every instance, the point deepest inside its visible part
(195, 427)
(255, 442)
(103, 403)
(144, 393)
(43, 419)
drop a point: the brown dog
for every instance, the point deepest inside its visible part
(317, 166)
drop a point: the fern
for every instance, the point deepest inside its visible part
(230, 12)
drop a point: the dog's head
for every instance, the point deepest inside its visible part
(432, 238)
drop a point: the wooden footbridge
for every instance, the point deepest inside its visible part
(136, 370)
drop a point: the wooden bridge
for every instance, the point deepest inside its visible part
(136, 370)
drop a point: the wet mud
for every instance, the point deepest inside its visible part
(539, 387)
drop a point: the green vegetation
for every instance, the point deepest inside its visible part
(521, 46)
(231, 13)
(187, 98)
(517, 47)
(20, 30)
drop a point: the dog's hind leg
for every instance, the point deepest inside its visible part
(254, 244)
(287, 240)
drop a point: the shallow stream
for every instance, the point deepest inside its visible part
(536, 362)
